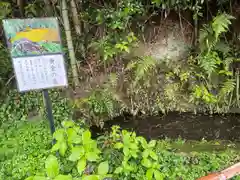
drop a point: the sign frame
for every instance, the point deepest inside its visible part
(44, 55)
(47, 100)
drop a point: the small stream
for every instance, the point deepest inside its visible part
(222, 130)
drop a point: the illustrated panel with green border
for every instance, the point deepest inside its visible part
(29, 37)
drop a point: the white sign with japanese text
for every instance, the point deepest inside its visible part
(40, 72)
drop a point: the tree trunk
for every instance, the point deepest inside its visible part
(73, 60)
(48, 7)
(20, 4)
(76, 21)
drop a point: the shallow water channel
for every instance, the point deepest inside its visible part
(220, 131)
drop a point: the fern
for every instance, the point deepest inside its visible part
(221, 23)
(209, 34)
(227, 88)
(206, 39)
(144, 67)
(222, 47)
(227, 62)
(209, 63)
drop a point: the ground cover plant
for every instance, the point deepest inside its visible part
(25, 136)
(26, 149)
(123, 155)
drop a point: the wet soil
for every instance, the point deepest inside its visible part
(183, 125)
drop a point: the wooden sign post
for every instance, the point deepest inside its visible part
(37, 56)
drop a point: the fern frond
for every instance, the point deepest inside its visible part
(227, 87)
(131, 65)
(221, 23)
(206, 38)
(222, 47)
(209, 62)
(227, 62)
(144, 67)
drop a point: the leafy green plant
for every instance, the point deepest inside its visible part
(122, 155)
(25, 134)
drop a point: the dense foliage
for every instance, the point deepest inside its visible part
(26, 150)
(25, 137)
(122, 155)
(24, 147)
(119, 81)
(115, 80)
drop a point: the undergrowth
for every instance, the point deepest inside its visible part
(123, 155)
(26, 150)
(25, 134)
(206, 82)
(23, 148)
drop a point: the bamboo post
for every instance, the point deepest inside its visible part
(67, 29)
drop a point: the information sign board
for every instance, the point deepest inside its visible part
(36, 51)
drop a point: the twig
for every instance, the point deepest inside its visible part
(9, 80)
(180, 22)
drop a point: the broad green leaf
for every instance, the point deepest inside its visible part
(128, 167)
(146, 163)
(63, 177)
(59, 135)
(92, 156)
(86, 137)
(143, 142)
(126, 151)
(118, 145)
(90, 145)
(56, 147)
(152, 143)
(145, 153)
(52, 166)
(77, 153)
(153, 155)
(133, 146)
(149, 174)
(118, 170)
(91, 177)
(134, 154)
(126, 138)
(158, 175)
(103, 168)
(39, 178)
(81, 165)
(67, 124)
(73, 137)
(63, 148)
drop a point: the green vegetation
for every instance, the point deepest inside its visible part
(116, 80)
(23, 149)
(123, 155)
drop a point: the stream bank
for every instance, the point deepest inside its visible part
(189, 132)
